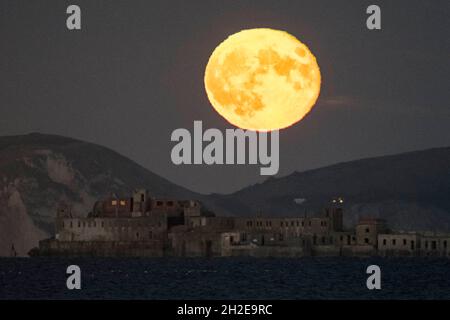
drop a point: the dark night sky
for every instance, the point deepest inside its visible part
(134, 73)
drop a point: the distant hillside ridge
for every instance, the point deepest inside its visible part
(410, 190)
(38, 171)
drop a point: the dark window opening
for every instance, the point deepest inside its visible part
(433, 245)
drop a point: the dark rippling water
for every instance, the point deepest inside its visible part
(224, 278)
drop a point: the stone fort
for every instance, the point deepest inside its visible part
(141, 225)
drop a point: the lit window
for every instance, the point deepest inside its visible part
(114, 202)
(122, 202)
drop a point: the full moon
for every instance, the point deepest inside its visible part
(262, 79)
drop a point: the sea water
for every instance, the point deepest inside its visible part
(225, 278)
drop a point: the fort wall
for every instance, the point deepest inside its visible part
(145, 226)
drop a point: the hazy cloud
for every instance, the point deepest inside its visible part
(337, 101)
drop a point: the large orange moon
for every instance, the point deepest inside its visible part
(262, 79)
